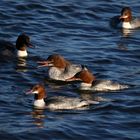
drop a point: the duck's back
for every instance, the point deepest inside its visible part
(72, 69)
(6, 48)
(63, 74)
(135, 23)
(108, 85)
(61, 102)
(115, 22)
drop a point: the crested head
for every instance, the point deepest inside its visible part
(39, 95)
(22, 42)
(126, 14)
(85, 75)
(39, 91)
(57, 60)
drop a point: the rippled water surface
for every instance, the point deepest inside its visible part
(80, 31)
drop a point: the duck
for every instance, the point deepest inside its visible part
(8, 49)
(60, 68)
(41, 101)
(125, 20)
(89, 82)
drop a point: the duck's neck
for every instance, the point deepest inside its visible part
(85, 85)
(39, 103)
(22, 53)
(126, 25)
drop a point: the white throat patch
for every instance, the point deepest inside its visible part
(22, 53)
(35, 92)
(39, 103)
(126, 25)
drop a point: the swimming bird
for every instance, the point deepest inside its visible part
(60, 68)
(20, 50)
(89, 82)
(57, 102)
(126, 20)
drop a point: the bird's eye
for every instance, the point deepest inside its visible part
(35, 88)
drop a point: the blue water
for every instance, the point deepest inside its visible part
(80, 31)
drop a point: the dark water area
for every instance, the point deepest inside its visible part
(80, 31)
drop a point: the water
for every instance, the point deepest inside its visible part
(80, 31)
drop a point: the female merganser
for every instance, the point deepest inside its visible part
(22, 42)
(128, 22)
(89, 82)
(59, 68)
(56, 102)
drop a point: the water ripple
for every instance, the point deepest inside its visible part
(80, 31)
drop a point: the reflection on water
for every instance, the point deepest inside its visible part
(38, 117)
(79, 31)
(123, 43)
(122, 46)
(127, 32)
(21, 65)
(21, 62)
